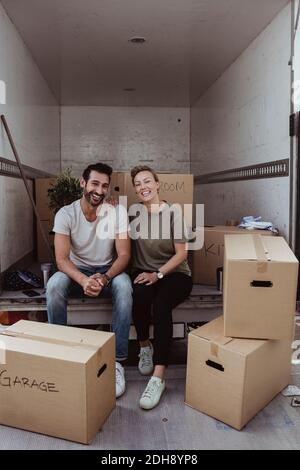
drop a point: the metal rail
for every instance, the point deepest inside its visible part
(275, 169)
(11, 169)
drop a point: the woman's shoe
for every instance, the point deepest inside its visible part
(146, 362)
(152, 393)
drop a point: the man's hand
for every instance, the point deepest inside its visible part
(91, 286)
(101, 279)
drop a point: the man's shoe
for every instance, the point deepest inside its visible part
(146, 362)
(152, 393)
(120, 380)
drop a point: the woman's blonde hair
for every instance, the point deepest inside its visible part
(139, 168)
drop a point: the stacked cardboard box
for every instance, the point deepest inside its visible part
(47, 217)
(208, 259)
(260, 285)
(238, 363)
(56, 380)
(173, 188)
(233, 379)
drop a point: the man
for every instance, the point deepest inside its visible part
(90, 262)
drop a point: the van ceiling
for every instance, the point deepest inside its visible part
(82, 46)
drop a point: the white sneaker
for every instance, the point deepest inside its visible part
(152, 393)
(146, 362)
(120, 380)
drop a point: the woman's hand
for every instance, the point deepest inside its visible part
(146, 278)
(112, 200)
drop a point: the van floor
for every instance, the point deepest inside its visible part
(173, 425)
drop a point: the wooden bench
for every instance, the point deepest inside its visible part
(204, 304)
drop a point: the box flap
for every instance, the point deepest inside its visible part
(213, 331)
(240, 247)
(222, 229)
(258, 248)
(54, 341)
(279, 250)
(229, 229)
(59, 334)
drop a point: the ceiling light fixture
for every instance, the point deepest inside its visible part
(137, 40)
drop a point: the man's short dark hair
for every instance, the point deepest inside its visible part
(99, 167)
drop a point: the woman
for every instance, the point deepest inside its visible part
(161, 278)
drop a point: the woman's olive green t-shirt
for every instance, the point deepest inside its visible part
(156, 234)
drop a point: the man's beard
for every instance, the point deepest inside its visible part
(88, 196)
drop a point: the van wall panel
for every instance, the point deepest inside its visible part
(32, 114)
(243, 119)
(126, 136)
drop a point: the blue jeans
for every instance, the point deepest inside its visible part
(60, 287)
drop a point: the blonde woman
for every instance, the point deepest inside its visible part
(161, 279)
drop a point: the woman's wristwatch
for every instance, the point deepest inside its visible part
(159, 274)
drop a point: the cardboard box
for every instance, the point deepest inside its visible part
(47, 217)
(56, 380)
(211, 257)
(42, 250)
(233, 379)
(41, 196)
(260, 286)
(174, 188)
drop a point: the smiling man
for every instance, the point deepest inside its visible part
(91, 258)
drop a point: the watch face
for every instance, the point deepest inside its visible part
(160, 275)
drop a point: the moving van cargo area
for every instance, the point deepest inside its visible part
(149, 234)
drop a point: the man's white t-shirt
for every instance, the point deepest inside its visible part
(92, 243)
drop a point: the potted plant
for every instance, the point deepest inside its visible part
(65, 191)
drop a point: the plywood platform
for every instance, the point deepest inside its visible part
(204, 304)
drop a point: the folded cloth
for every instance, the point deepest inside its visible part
(255, 223)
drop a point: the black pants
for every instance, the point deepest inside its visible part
(163, 296)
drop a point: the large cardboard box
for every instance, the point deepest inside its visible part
(41, 197)
(56, 380)
(47, 218)
(42, 250)
(233, 379)
(211, 256)
(260, 285)
(174, 188)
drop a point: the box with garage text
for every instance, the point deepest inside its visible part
(56, 380)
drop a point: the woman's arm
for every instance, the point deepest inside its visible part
(181, 254)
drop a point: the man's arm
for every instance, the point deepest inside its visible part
(62, 244)
(122, 243)
(123, 248)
